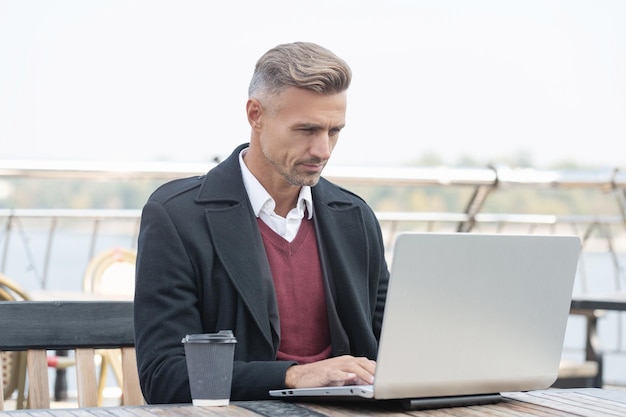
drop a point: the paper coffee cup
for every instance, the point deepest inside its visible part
(210, 367)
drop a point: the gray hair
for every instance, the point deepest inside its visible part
(299, 64)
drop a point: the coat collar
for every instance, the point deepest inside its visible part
(238, 243)
(224, 185)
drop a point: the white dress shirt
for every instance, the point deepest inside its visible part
(263, 205)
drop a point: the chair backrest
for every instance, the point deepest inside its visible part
(111, 272)
(10, 290)
(13, 363)
(82, 326)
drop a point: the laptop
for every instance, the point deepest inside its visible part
(467, 317)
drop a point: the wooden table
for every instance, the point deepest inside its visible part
(69, 295)
(572, 402)
(613, 301)
(593, 307)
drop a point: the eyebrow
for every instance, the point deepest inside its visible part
(307, 125)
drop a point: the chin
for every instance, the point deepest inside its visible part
(311, 180)
(301, 180)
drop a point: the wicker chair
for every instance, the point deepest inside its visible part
(13, 363)
(111, 272)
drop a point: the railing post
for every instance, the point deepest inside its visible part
(46, 262)
(476, 202)
(7, 237)
(474, 205)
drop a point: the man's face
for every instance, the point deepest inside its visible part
(300, 131)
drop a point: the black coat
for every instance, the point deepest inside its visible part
(201, 268)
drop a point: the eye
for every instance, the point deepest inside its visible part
(334, 132)
(307, 130)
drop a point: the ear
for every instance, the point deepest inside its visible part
(254, 111)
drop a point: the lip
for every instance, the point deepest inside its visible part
(314, 167)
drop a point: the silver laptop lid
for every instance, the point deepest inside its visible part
(474, 313)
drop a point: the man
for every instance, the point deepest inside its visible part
(262, 246)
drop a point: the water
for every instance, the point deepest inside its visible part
(71, 251)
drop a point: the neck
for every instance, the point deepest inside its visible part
(285, 201)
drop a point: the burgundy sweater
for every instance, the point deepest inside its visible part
(298, 281)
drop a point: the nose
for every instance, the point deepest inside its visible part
(321, 147)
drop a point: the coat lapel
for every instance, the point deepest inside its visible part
(341, 228)
(341, 243)
(238, 244)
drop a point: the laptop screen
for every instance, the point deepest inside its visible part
(475, 313)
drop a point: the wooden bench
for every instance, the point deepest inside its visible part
(82, 326)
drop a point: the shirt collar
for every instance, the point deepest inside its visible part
(260, 199)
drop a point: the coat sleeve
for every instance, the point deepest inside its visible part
(167, 299)
(164, 308)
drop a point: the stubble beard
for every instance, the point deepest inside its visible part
(293, 176)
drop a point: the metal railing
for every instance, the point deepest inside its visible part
(483, 182)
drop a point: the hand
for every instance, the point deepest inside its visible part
(341, 370)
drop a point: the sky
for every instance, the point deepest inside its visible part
(144, 80)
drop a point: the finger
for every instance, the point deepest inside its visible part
(364, 369)
(339, 378)
(368, 365)
(347, 377)
(363, 377)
